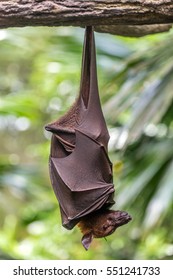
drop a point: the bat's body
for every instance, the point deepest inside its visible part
(80, 170)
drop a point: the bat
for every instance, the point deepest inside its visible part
(80, 169)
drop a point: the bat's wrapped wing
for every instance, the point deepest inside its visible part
(80, 170)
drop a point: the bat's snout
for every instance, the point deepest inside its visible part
(121, 218)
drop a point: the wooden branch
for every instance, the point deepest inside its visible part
(106, 15)
(133, 30)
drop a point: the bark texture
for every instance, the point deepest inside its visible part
(123, 17)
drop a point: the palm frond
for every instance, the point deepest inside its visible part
(162, 200)
(144, 96)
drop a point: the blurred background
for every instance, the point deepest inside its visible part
(39, 80)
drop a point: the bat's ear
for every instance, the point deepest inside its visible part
(87, 239)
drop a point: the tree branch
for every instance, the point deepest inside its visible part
(133, 30)
(113, 16)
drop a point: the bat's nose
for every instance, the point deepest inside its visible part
(126, 216)
(129, 218)
(123, 214)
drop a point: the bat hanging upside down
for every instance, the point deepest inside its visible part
(80, 169)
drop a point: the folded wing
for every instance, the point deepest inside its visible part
(80, 170)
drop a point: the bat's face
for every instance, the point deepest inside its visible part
(108, 221)
(101, 224)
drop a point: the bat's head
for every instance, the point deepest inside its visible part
(101, 224)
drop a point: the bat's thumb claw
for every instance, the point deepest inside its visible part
(49, 127)
(86, 240)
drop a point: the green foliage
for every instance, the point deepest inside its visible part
(39, 80)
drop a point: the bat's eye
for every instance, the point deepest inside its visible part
(105, 227)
